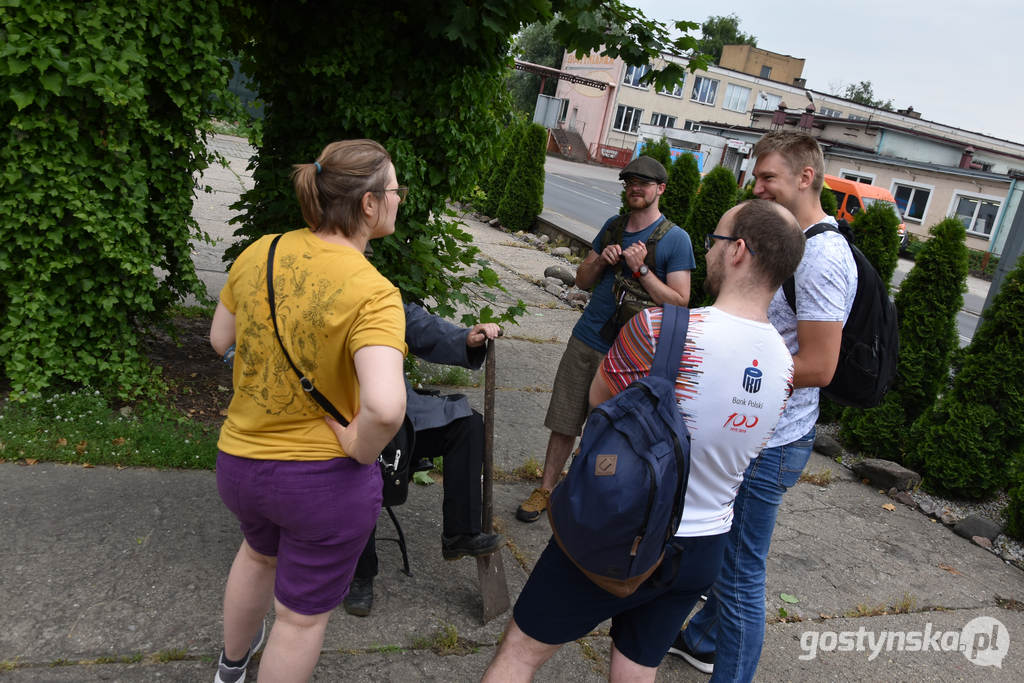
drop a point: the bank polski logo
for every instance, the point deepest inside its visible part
(752, 378)
(984, 641)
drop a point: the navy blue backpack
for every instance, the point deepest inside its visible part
(622, 499)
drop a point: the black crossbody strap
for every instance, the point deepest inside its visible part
(307, 384)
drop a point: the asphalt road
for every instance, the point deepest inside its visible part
(590, 194)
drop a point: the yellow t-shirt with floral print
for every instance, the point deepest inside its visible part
(331, 302)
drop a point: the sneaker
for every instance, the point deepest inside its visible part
(704, 662)
(359, 600)
(531, 508)
(478, 545)
(236, 674)
(423, 465)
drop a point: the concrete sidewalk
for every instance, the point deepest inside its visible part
(117, 575)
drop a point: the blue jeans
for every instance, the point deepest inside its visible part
(732, 622)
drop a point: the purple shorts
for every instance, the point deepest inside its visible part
(313, 516)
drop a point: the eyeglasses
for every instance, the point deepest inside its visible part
(637, 182)
(708, 242)
(402, 192)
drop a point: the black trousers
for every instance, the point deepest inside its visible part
(461, 444)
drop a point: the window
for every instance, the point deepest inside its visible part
(564, 110)
(857, 177)
(663, 120)
(634, 74)
(831, 113)
(766, 72)
(736, 98)
(704, 90)
(854, 117)
(977, 213)
(627, 118)
(691, 125)
(911, 201)
(766, 100)
(677, 89)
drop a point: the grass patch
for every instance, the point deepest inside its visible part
(905, 605)
(823, 478)
(444, 641)
(388, 649)
(123, 659)
(80, 427)
(531, 470)
(420, 372)
(176, 654)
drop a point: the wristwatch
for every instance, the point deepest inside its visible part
(643, 270)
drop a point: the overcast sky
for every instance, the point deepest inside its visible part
(952, 60)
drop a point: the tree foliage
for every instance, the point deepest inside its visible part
(719, 31)
(876, 230)
(523, 199)
(864, 93)
(927, 304)
(969, 440)
(716, 195)
(105, 108)
(422, 78)
(535, 44)
(683, 181)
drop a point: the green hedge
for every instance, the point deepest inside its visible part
(717, 194)
(683, 181)
(524, 195)
(929, 299)
(968, 441)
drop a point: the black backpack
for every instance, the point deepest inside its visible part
(870, 347)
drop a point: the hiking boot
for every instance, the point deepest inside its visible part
(531, 508)
(477, 545)
(236, 674)
(704, 662)
(359, 600)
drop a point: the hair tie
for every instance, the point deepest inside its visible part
(319, 168)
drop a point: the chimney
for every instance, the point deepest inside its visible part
(909, 111)
(779, 117)
(807, 118)
(967, 159)
(800, 82)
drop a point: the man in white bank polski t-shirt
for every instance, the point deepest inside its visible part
(734, 378)
(725, 638)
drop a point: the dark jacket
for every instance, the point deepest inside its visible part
(438, 341)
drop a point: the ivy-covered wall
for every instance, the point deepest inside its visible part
(102, 106)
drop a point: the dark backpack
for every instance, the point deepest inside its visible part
(622, 499)
(870, 346)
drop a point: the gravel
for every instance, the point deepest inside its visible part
(1009, 549)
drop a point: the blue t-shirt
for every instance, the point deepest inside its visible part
(674, 253)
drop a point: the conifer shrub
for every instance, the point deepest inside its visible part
(968, 441)
(1015, 507)
(716, 195)
(746, 192)
(876, 231)
(658, 150)
(829, 204)
(683, 181)
(524, 195)
(927, 305)
(496, 181)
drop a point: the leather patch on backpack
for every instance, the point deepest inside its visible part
(604, 465)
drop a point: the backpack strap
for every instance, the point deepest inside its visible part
(652, 242)
(615, 231)
(675, 321)
(789, 286)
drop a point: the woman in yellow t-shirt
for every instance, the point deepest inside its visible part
(305, 498)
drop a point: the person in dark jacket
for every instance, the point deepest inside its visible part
(446, 426)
